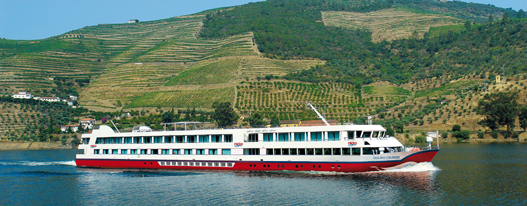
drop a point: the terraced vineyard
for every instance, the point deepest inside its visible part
(389, 24)
(180, 69)
(339, 101)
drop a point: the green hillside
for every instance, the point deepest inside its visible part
(404, 61)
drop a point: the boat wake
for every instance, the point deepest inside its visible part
(419, 167)
(33, 163)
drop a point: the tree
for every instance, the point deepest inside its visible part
(167, 117)
(256, 119)
(499, 109)
(224, 114)
(456, 128)
(520, 14)
(468, 25)
(506, 16)
(491, 18)
(275, 121)
(523, 117)
(389, 131)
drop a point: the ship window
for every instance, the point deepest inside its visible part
(269, 152)
(180, 139)
(124, 151)
(327, 151)
(215, 138)
(229, 164)
(355, 151)
(148, 140)
(277, 152)
(316, 136)
(85, 140)
(252, 138)
(138, 140)
(96, 151)
(128, 140)
(283, 137)
(310, 151)
(300, 136)
(301, 151)
(176, 151)
(158, 139)
(165, 151)
(251, 151)
(226, 151)
(375, 134)
(154, 151)
(115, 151)
(336, 151)
(228, 137)
(105, 151)
(203, 138)
(200, 151)
(213, 151)
(268, 137)
(143, 151)
(292, 151)
(346, 151)
(366, 134)
(285, 151)
(191, 139)
(351, 134)
(188, 151)
(370, 151)
(318, 151)
(133, 151)
(168, 139)
(333, 136)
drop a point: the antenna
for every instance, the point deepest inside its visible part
(318, 113)
(115, 126)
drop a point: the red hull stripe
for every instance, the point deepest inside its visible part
(424, 156)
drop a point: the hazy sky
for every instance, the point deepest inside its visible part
(38, 19)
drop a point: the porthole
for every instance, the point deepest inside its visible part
(283, 166)
(264, 166)
(332, 167)
(314, 166)
(301, 166)
(296, 166)
(338, 167)
(319, 166)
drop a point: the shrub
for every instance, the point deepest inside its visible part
(420, 139)
(465, 134)
(494, 134)
(456, 128)
(481, 134)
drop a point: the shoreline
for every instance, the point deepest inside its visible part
(10, 146)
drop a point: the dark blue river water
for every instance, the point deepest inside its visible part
(461, 174)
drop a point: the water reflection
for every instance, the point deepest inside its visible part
(424, 181)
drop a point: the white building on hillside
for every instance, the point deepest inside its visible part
(23, 95)
(50, 99)
(71, 127)
(87, 123)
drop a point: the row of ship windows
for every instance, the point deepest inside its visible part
(199, 164)
(323, 151)
(256, 151)
(253, 137)
(163, 151)
(162, 139)
(311, 136)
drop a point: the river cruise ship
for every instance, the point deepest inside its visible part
(339, 148)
